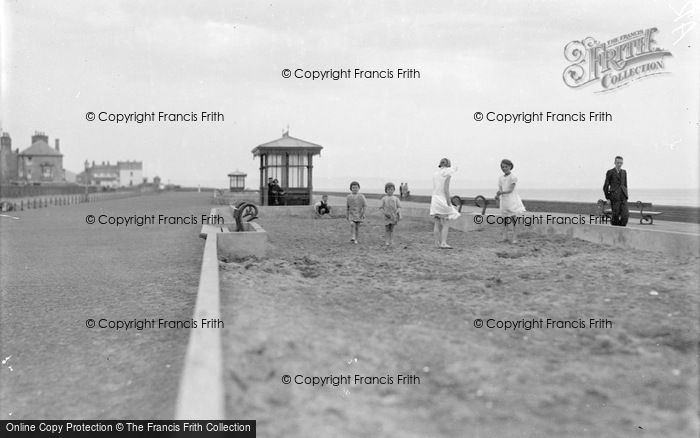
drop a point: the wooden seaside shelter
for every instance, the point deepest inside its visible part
(237, 181)
(290, 161)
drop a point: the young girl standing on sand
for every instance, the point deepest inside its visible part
(356, 210)
(440, 207)
(511, 204)
(391, 206)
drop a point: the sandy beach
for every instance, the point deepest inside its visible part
(320, 306)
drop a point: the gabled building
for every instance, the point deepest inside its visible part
(39, 163)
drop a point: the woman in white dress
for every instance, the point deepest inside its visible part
(511, 204)
(440, 207)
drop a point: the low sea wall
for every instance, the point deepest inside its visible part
(201, 392)
(672, 243)
(222, 197)
(670, 212)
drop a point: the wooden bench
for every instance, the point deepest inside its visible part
(647, 217)
(458, 202)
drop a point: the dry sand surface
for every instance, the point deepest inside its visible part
(321, 306)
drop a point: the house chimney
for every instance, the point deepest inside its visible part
(58, 148)
(39, 135)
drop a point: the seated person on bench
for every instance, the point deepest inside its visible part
(322, 208)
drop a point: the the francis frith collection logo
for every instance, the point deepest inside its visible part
(616, 62)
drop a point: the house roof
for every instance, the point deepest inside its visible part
(40, 147)
(286, 143)
(130, 165)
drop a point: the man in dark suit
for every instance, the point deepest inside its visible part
(615, 190)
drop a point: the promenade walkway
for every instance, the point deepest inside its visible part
(57, 271)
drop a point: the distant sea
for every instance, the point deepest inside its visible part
(681, 197)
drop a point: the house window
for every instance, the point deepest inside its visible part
(47, 171)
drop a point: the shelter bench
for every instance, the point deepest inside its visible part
(643, 209)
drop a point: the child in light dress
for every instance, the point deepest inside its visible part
(391, 207)
(440, 206)
(356, 204)
(511, 204)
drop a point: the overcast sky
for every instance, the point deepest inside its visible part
(61, 59)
